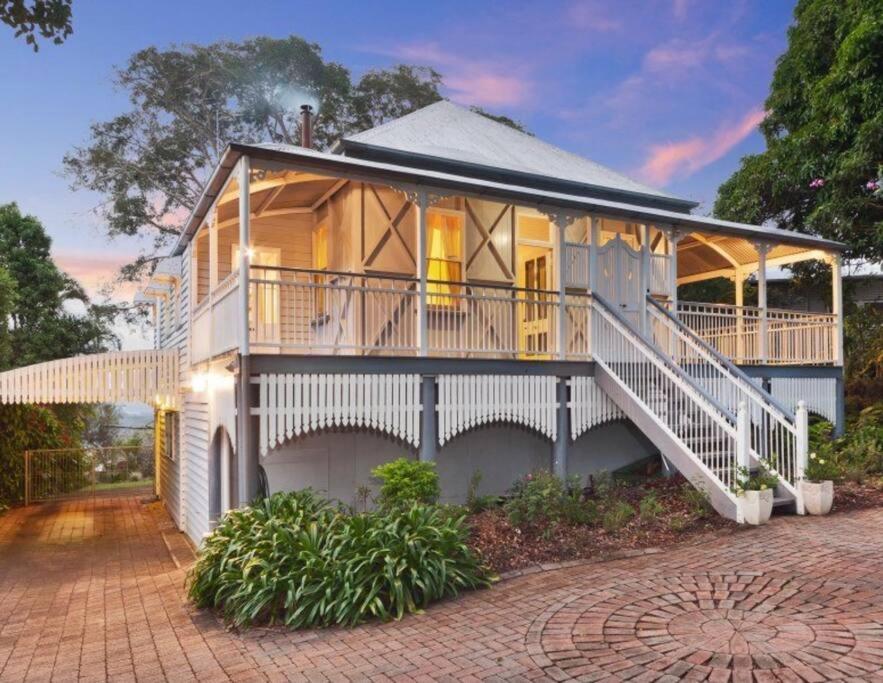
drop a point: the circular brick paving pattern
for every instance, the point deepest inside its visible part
(719, 623)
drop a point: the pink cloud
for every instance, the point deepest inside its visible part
(684, 158)
(95, 270)
(680, 55)
(471, 81)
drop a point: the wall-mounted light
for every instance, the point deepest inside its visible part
(201, 382)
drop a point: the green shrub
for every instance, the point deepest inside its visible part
(294, 559)
(677, 523)
(696, 498)
(650, 508)
(820, 468)
(617, 516)
(476, 503)
(765, 477)
(404, 482)
(541, 497)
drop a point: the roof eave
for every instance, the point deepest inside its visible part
(381, 172)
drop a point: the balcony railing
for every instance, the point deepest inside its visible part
(312, 311)
(737, 332)
(303, 311)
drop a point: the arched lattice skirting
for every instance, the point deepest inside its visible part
(467, 401)
(589, 406)
(819, 393)
(293, 404)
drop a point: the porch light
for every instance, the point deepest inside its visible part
(199, 382)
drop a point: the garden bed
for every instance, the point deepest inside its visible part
(851, 495)
(680, 515)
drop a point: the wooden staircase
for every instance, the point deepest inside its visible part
(706, 417)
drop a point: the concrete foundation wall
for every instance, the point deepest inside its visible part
(608, 447)
(338, 463)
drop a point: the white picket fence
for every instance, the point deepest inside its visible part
(468, 401)
(115, 377)
(589, 406)
(295, 404)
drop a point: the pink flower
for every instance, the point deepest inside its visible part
(817, 183)
(872, 185)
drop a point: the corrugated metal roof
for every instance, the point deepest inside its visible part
(445, 130)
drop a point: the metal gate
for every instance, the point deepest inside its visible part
(52, 474)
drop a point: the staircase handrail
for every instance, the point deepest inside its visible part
(745, 383)
(657, 355)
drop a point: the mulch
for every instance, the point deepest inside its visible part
(851, 495)
(506, 547)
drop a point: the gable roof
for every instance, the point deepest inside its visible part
(445, 136)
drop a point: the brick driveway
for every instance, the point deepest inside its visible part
(93, 590)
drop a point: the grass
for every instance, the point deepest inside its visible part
(114, 485)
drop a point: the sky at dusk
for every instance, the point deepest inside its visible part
(667, 91)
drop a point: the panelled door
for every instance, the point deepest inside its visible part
(619, 280)
(535, 323)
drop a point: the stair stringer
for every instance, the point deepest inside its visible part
(724, 502)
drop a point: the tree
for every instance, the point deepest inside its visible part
(821, 171)
(151, 163)
(38, 317)
(37, 325)
(51, 19)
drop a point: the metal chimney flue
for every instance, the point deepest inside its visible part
(306, 126)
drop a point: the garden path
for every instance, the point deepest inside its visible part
(93, 590)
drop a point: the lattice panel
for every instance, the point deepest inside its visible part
(116, 377)
(819, 393)
(589, 406)
(292, 404)
(467, 401)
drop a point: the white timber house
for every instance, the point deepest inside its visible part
(447, 288)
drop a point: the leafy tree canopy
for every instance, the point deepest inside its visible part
(151, 162)
(186, 103)
(34, 294)
(37, 325)
(51, 19)
(821, 171)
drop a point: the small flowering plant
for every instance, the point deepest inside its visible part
(765, 477)
(820, 469)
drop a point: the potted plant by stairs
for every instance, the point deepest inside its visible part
(817, 485)
(754, 489)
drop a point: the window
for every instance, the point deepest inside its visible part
(320, 262)
(444, 262)
(170, 435)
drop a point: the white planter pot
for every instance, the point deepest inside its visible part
(757, 506)
(818, 496)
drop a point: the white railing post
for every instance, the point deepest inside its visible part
(763, 341)
(802, 424)
(244, 257)
(739, 281)
(561, 222)
(743, 436)
(837, 305)
(422, 312)
(594, 243)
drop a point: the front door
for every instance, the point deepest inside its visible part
(535, 302)
(619, 281)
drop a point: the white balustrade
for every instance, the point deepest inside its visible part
(576, 261)
(793, 337)
(773, 429)
(703, 428)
